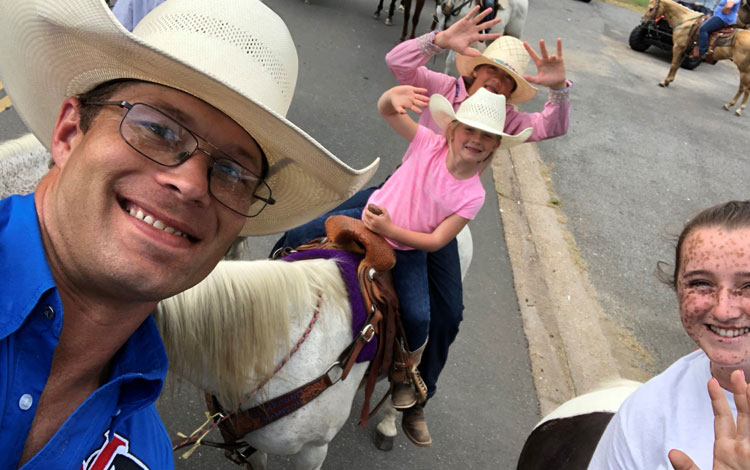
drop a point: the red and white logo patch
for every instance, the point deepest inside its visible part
(114, 454)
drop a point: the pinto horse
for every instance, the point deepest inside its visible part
(230, 333)
(566, 438)
(681, 19)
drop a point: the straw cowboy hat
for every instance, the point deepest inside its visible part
(236, 55)
(508, 54)
(483, 110)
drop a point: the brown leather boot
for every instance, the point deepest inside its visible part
(415, 426)
(406, 395)
(403, 396)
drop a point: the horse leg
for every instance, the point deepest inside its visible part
(258, 460)
(746, 89)
(744, 102)
(386, 429)
(310, 457)
(377, 11)
(417, 11)
(736, 97)
(677, 53)
(407, 10)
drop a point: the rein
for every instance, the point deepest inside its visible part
(218, 418)
(454, 12)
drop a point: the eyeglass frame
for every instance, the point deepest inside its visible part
(269, 201)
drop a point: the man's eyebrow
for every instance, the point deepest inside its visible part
(173, 112)
(249, 160)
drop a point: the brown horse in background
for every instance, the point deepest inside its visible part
(681, 19)
(417, 11)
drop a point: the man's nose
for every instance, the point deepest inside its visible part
(190, 178)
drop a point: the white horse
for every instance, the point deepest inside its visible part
(228, 333)
(512, 12)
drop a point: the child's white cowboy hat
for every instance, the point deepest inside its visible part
(508, 54)
(236, 55)
(483, 110)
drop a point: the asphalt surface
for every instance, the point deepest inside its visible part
(637, 162)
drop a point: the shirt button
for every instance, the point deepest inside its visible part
(49, 312)
(25, 402)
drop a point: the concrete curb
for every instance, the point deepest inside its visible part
(568, 351)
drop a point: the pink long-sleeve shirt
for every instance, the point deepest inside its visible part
(407, 62)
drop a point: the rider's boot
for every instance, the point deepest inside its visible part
(415, 426)
(406, 395)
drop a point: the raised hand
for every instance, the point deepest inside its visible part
(466, 31)
(732, 444)
(407, 97)
(550, 68)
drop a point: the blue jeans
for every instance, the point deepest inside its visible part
(709, 26)
(446, 311)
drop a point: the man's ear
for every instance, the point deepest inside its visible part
(67, 131)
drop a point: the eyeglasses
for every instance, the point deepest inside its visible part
(163, 140)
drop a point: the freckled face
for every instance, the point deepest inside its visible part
(713, 292)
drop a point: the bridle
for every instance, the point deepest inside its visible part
(453, 12)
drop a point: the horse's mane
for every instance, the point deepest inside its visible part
(684, 9)
(232, 329)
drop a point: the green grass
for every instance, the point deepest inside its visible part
(636, 5)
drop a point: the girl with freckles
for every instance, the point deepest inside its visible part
(675, 410)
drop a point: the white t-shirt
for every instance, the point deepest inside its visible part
(670, 411)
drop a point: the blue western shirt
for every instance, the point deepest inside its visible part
(728, 18)
(117, 426)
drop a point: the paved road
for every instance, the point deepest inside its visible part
(638, 161)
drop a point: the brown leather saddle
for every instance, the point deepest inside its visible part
(719, 38)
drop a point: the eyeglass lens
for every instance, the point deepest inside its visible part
(165, 141)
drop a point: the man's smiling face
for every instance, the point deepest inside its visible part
(125, 225)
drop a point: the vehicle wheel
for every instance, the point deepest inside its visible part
(637, 39)
(690, 63)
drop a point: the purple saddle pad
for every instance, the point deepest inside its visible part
(347, 263)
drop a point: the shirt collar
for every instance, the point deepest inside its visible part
(22, 254)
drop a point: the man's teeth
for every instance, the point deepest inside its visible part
(729, 333)
(158, 224)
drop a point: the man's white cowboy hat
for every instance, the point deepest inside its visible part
(508, 54)
(236, 55)
(483, 110)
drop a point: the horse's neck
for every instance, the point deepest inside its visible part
(677, 14)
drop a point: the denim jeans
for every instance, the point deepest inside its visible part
(446, 311)
(410, 280)
(709, 26)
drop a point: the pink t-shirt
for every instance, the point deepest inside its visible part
(422, 193)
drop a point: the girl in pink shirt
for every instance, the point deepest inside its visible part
(425, 203)
(432, 196)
